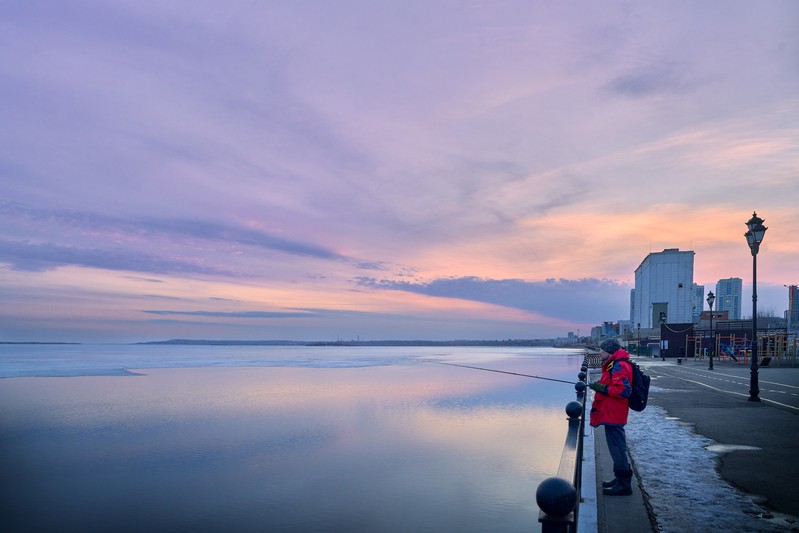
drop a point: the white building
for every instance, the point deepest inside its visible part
(728, 297)
(664, 289)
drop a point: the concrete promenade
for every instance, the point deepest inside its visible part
(757, 444)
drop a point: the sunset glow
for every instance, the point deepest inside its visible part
(421, 171)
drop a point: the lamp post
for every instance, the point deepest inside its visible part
(639, 340)
(710, 299)
(753, 238)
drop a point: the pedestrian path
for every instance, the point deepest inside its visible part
(699, 418)
(609, 514)
(618, 513)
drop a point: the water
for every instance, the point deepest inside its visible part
(211, 438)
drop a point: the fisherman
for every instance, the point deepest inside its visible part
(610, 409)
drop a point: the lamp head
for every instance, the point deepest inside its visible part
(754, 221)
(756, 233)
(710, 299)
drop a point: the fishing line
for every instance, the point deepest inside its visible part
(504, 372)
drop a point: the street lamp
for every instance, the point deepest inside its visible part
(753, 238)
(710, 299)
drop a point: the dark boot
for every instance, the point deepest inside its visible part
(623, 486)
(616, 475)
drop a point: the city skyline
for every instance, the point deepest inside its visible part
(393, 171)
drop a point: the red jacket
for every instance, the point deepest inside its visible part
(612, 408)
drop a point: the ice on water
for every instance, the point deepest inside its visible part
(64, 360)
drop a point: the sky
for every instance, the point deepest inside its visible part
(316, 170)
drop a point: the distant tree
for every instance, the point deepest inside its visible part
(768, 312)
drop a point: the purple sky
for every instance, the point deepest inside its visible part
(384, 170)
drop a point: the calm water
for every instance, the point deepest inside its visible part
(175, 438)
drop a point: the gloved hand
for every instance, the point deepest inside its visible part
(599, 387)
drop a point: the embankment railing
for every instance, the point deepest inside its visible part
(558, 497)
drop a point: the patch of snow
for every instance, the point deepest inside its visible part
(725, 448)
(678, 473)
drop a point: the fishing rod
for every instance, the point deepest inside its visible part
(504, 372)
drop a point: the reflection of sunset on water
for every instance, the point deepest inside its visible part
(407, 446)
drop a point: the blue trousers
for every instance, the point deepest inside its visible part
(617, 446)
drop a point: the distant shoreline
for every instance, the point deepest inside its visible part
(543, 343)
(510, 342)
(35, 342)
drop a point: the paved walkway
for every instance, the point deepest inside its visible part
(609, 514)
(618, 513)
(759, 440)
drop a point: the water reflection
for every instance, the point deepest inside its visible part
(388, 448)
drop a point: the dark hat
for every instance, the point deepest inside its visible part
(610, 345)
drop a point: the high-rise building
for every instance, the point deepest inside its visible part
(793, 307)
(728, 297)
(663, 288)
(698, 303)
(632, 305)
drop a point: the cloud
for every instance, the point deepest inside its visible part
(31, 257)
(236, 314)
(171, 228)
(215, 231)
(577, 300)
(516, 154)
(650, 80)
(146, 280)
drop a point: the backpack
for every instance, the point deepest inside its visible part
(640, 394)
